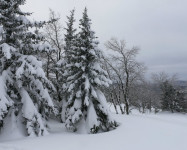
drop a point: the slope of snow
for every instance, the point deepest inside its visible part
(136, 132)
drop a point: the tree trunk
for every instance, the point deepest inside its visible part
(126, 92)
(114, 103)
(126, 107)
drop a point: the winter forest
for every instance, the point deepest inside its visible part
(60, 88)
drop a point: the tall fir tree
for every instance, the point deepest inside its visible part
(23, 84)
(167, 96)
(63, 65)
(70, 36)
(86, 102)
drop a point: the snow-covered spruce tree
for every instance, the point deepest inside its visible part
(70, 36)
(85, 100)
(23, 85)
(63, 64)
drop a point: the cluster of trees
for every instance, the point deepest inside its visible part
(61, 73)
(68, 85)
(172, 96)
(130, 90)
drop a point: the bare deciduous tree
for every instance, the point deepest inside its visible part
(54, 36)
(124, 66)
(113, 92)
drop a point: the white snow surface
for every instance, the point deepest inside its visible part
(163, 131)
(91, 118)
(29, 111)
(6, 49)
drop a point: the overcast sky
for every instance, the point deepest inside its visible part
(158, 27)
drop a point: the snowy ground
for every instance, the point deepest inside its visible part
(136, 132)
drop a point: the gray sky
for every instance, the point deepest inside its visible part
(158, 27)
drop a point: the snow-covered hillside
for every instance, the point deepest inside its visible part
(136, 132)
